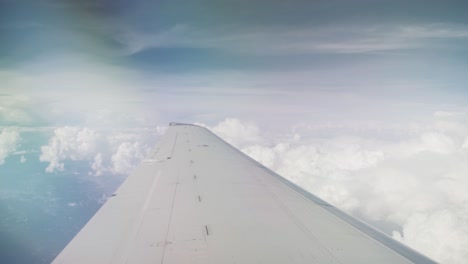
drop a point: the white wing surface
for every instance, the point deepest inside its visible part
(197, 199)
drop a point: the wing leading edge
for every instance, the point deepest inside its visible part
(197, 199)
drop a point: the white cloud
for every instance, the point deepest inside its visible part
(128, 149)
(97, 165)
(110, 151)
(442, 233)
(69, 143)
(9, 142)
(437, 142)
(236, 132)
(451, 121)
(23, 159)
(20, 152)
(127, 156)
(412, 185)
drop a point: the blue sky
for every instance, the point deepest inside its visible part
(327, 93)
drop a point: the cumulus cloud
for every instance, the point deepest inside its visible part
(114, 152)
(127, 155)
(413, 185)
(97, 166)
(9, 142)
(445, 228)
(236, 132)
(68, 143)
(438, 143)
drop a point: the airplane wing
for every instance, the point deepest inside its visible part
(197, 199)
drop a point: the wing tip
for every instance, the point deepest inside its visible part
(182, 124)
(179, 124)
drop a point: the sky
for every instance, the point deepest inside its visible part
(361, 102)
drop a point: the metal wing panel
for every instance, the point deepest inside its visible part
(197, 199)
